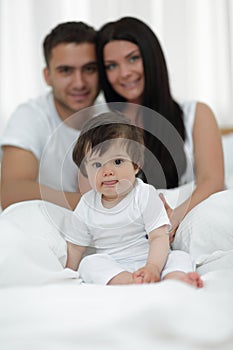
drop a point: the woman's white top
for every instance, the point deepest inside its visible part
(189, 112)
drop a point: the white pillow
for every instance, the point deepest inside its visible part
(208, 227)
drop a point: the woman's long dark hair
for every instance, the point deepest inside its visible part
(167, 146)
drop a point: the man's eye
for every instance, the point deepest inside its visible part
(65, 70)
(90, 69)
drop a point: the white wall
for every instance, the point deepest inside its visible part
(197, 38)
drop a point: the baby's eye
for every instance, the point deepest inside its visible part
(96, 165)
(118, 161)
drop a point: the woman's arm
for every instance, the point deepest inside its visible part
(208, 161)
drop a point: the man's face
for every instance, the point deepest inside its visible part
(73, 76)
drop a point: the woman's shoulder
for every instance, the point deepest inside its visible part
(193, 108)
(205, 117)
(193, 111)
(203, 108)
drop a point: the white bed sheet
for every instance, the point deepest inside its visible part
(64, 314)
(167, 316)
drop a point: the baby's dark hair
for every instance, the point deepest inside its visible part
(109, 127)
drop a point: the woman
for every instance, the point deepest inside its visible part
(133, 71)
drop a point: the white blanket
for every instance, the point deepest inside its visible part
(167, 316)
(60, 313)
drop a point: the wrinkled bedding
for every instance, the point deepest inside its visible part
(59, 312)
(169, 315)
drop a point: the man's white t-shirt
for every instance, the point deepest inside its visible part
(35, 126)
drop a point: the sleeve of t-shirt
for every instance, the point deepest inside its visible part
(77, 231)
(153, 211)
(27, 128)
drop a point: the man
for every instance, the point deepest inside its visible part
(36, 145)
(37, 166)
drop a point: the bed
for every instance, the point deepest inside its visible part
(59, 312)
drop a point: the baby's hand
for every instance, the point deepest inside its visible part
(147, 274)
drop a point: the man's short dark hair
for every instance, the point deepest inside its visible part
(68, 32)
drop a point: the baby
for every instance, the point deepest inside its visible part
(121, 216)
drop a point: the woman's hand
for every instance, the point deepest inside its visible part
(170, 213)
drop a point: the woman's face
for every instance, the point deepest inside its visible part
(124, 69)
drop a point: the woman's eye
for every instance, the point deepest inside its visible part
(134, 58)
(110, 66)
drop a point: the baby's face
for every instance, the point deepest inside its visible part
(112, 173)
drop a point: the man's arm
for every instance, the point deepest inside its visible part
(74, 255)
(19, 174)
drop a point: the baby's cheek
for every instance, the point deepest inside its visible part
(123, 186)
(83, 184)
(94, 180)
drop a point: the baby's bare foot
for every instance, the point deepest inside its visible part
(123, 277)
(192, 278)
